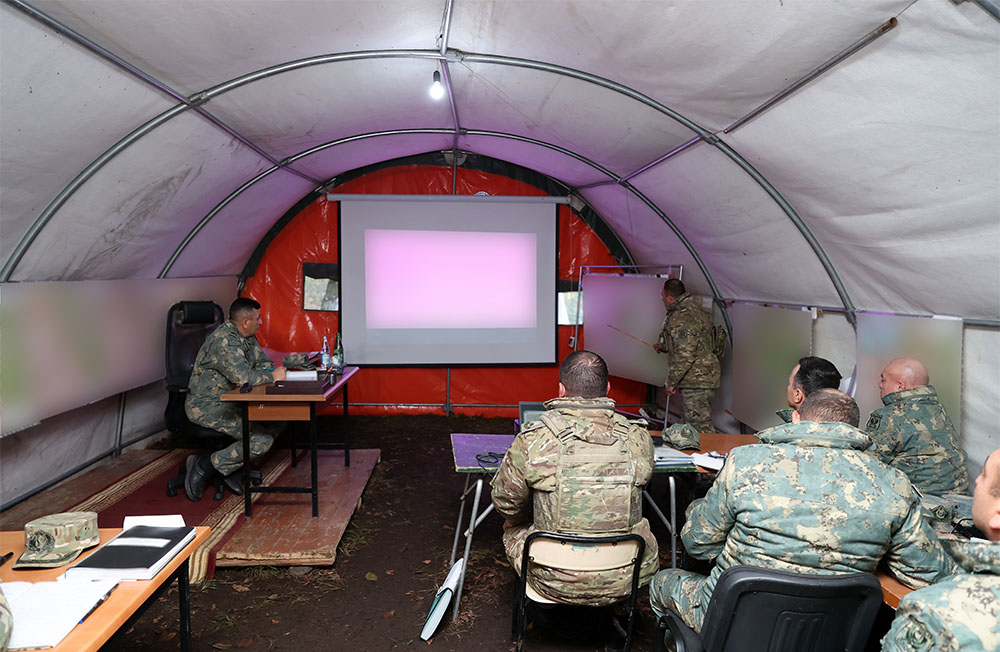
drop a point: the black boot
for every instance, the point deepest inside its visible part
(199, 472)
(234, 481)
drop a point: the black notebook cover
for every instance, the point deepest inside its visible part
(153, 547)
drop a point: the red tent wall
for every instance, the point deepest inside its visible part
(311, 236)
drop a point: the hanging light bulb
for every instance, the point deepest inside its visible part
(437, 90)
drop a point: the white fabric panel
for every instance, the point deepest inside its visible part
(334, 101)
(103, 337)
(897, 169)
(623, 135)
(193, 45)
(680, 53)
(750, 246)
(41, 148)
(980, 395)
(126, 221)
(144, 407)
(241, 225)
(534, 157)
(647, 236)
(34, 457)
(328, 163)
(834, 340)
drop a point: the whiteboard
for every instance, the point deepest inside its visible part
(619, 310)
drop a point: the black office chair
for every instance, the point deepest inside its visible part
(188, 324)
(575, 553)
(764, 610)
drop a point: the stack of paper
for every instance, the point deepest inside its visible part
(712, 461)
(45, 612)
(667, 457)
(138, 553)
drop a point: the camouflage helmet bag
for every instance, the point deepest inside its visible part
(58, 539)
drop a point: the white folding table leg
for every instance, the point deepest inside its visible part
(468, 544)
(458, 526)
(671, 524)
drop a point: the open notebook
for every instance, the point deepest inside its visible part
(45, 612)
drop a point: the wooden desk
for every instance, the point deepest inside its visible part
(258, 405)
(892, 590)
(125, 604)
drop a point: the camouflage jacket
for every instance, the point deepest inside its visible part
(959, 613)
(525, 489)
(808, 499)
(785, 414)
(227, 360)
(914, 434)
(688, 337)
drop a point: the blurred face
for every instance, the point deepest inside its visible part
(890, 381)
(250, 324)
(795, 394)
(665, 299)
(984, 505)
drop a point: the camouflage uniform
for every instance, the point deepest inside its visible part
(785, 414)
(580, 470)
(6, 620)
(226, 361)
(808, 499)
(914, 434)
(960, 613)
(688, 337)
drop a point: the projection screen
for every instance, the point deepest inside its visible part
(468, 280)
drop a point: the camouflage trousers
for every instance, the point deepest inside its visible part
(262, 436)
(589, 588)
(681, 592)
(698, 408)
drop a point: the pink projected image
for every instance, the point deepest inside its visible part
(449, 279)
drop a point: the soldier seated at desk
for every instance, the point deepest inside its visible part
(963, 611)
(547, 483)
(808, 499)
(230, 358)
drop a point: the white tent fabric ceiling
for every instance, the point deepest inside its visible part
(891, 159)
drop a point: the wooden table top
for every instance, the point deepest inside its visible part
(120, 605)
(258, 393)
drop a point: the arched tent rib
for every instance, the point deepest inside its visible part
(456, 55)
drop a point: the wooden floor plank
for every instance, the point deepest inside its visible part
(282, 531)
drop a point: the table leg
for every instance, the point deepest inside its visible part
(347, 432)
(246, 460)
(185, 606)
(458, 526)
(468, 544)
(673, 521)
(663, 519)
(314, 461)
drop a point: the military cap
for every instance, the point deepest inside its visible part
(682, 435)
(58, 539)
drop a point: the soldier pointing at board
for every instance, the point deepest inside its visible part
(688, 337)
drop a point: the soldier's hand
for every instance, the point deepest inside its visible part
(279, 373)
(671, 390)
(658, 348)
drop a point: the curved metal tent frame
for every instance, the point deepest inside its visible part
(445, 55)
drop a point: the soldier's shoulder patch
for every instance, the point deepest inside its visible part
(874, 422)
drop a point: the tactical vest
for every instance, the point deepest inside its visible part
(595, 490)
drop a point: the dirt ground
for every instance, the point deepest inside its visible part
(390, 562)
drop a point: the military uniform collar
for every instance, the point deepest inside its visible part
(923, 391)
(975, 556)
(811, 433)
(677, 304)
(578, 403)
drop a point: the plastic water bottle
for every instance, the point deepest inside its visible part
(324, 354)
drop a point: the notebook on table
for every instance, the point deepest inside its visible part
(138, 553)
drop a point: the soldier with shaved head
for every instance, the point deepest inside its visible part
(913, 432)
(807, 499)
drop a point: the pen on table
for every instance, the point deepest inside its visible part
(3, 560)
(99, 603)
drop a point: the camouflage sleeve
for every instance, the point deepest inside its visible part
(683, 350)
(710, 519)
(661, 339)
(644, 462)
(298, 360)
(915, 557)
(231, 362)
(511, 493)
(884, 443)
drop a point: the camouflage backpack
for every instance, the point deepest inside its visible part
(720, 341)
